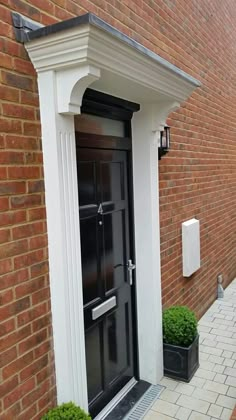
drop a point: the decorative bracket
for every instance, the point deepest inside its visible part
(71, 85)
(161, 113)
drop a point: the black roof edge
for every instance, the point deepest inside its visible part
(23, 26)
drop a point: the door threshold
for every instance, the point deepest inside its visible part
(115, 401)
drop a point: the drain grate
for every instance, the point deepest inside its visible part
(145, 403)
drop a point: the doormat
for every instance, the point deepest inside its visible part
(129, 401)
(145, 403)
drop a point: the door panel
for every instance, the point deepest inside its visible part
(94, 361)
(116, 345)
(87, 183)
(112, 174)
(89, 256)
(105, 248)
(114, 250)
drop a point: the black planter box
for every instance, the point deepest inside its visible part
(181, 362)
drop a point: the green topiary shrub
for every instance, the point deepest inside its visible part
(68, 411)
(179, 326)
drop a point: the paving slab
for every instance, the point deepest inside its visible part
(211, 393)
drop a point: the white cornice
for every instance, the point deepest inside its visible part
(89, 45)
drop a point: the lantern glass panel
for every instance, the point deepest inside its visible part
(166, 143)
(164, 139)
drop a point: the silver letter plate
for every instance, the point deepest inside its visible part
(103, 308)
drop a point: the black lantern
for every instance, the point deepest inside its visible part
(164, 142)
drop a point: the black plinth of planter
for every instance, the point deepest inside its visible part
(181, 362)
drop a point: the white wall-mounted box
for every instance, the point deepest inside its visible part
(191, 246)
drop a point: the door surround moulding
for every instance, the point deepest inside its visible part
(68, 59)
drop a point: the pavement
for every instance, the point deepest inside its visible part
(211, 394)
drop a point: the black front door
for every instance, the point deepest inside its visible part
(106, 248)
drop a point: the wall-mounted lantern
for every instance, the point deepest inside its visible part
(164, 144)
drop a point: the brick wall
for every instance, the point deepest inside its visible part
(27, 382)
(197, 177)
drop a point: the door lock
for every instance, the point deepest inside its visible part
(131, 267)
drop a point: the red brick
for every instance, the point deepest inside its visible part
(8, 93)
(13, 248)
(22, 390)
(42, 322)
(18, 365)
(6, 296)
(2, 141)
(29, 315)
(3, 173)
(22, 201)
(39, 269)
(37, 214)
(12, 47)
(11, 158)
(45, 5)
(28, 413)
(41, 296)
(22, 142)
(25, 9)
(4, 204)
(29, 98)
(43, 374)
(34, 368)
(24, 66)
(7, 188)
(5, 61)
(25, 231)
(27, 288)
(14, 278)
(28, 259)
(18, 111)
(24, 172)
(34, 158)
(17, 81)
(14, 337)
(7, 327)
(38, 242)
(34, 341)
(7, 386)
(47, 401)
(14, 308)
(5, 235)
(62, 14)
(7, 356)
(36, 394)
(44, 347)
(36, 186)
(6, 265)
(6, 30)
(5, 15)
(10, 126)
(12, 413)
(12, 217)
(32, 129)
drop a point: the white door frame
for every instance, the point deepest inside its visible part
(67, 62)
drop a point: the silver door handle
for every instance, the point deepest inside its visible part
(131, 267)
(103, 308)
